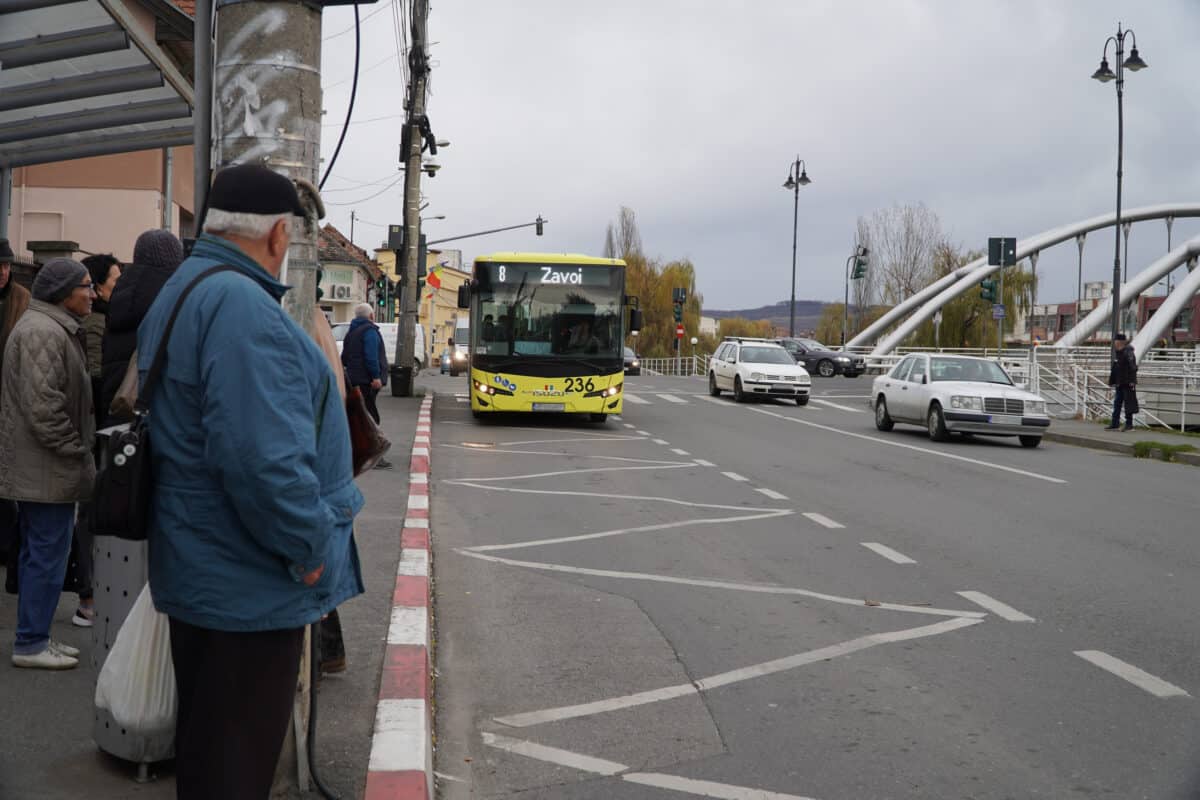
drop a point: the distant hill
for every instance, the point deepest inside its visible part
(808, 313)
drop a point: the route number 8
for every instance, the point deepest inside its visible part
(503, 272)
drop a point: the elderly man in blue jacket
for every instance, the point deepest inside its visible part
(250, 535)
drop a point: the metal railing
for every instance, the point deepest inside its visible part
(689, 366)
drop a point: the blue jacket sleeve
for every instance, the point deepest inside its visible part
(370, 343)
(259, 420)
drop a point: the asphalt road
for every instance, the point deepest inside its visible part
(709, 599)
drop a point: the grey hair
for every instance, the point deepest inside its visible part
(237, 223)
(363, 310)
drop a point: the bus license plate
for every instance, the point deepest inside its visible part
(549, 406)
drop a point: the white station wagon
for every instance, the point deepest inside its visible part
(757, 368)
(957, 394)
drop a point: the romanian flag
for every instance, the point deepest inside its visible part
(434, 279)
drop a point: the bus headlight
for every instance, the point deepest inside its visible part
(483, 388)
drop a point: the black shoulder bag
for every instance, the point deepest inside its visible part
(125, 483)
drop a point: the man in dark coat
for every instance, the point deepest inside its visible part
(155, 256)
(1122, 377)
(365, 360)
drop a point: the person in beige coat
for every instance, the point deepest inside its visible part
(47, 429)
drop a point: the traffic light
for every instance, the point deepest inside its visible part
(987, 291)
(381, 287)
(678, 313)
(860, 268)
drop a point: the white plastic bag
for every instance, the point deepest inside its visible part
(137, 681)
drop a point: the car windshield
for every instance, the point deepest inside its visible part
(629, 353)
(943, 368)
(766, 355)
(813, 344)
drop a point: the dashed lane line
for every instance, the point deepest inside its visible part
(837, 406)
(630, 425)
(643, 433)
(661, 441)
(821, 519)
(704, 463)
(733, 476)
(670, 398)
(1138, 677)
(679, 452)
(630, 397)
(888, 553)
(771, 493)
(1002, 610)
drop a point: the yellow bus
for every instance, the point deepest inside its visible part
(548, 333)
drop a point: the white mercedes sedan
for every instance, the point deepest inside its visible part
(957, 394)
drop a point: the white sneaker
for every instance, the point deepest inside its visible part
(65, 649)
(47, 659)
(83, 617)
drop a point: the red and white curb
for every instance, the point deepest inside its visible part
(401, 765)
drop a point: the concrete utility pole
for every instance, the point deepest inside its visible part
(415, 125)
(266, 109)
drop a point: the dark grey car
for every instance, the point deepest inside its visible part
(820, 360)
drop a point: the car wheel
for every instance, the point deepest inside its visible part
(712, 385)
(738, 394)
(825, 368)
(883, 420)
(937, 424)
(802, 400)
(1030, 441)
(599, 417)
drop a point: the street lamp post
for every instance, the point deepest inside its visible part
(1104, 75)
(859, 252)
(797, 177)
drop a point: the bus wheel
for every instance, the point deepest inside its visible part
(599, 417)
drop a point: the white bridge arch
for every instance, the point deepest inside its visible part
(925, 303)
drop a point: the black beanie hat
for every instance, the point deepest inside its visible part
(254, 189)
(6, 252)
(158, 248)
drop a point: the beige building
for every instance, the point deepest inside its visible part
(438, 309)
(347, 274)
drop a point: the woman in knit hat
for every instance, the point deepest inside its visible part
(47, 428)
(155, 256)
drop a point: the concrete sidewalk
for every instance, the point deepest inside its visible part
(46, 747)
(1092, 434)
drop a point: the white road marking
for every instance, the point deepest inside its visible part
(670, 398)
(418, 501)
(644, 433)
(704, 463)
(401, 738)
(709, 584)
(679, 452)
(716, 400)
(630, 425)
(553, 755)
(837, 406)
(724, 791)
(733, 476)
(416, 522)
(661, 441)
(662, 526)
(420, 451)
(926, 450)
(996, 607)
(600, 766)
(441, 776)
(637, 401)
(1139, 678)
(888, 553)
(732, 676)
(418, 477)
(771, 493)
(821, 519)
(593, 456)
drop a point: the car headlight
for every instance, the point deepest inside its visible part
(633, 363)
(458, 356)
(757, 377)
(1035, 406)
(967, 402)
(844, 359)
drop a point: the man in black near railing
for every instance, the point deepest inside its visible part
(1122, 377)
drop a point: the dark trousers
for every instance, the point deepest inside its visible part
(1123, 396)
(369, 396)
(45, 546)
(235, 702)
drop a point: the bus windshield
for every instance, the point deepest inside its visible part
(552, 311)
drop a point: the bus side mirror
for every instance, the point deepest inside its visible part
(635, 320)
(464, 296)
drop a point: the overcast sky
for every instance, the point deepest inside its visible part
(691, 112)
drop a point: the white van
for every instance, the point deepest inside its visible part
(388, 331)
